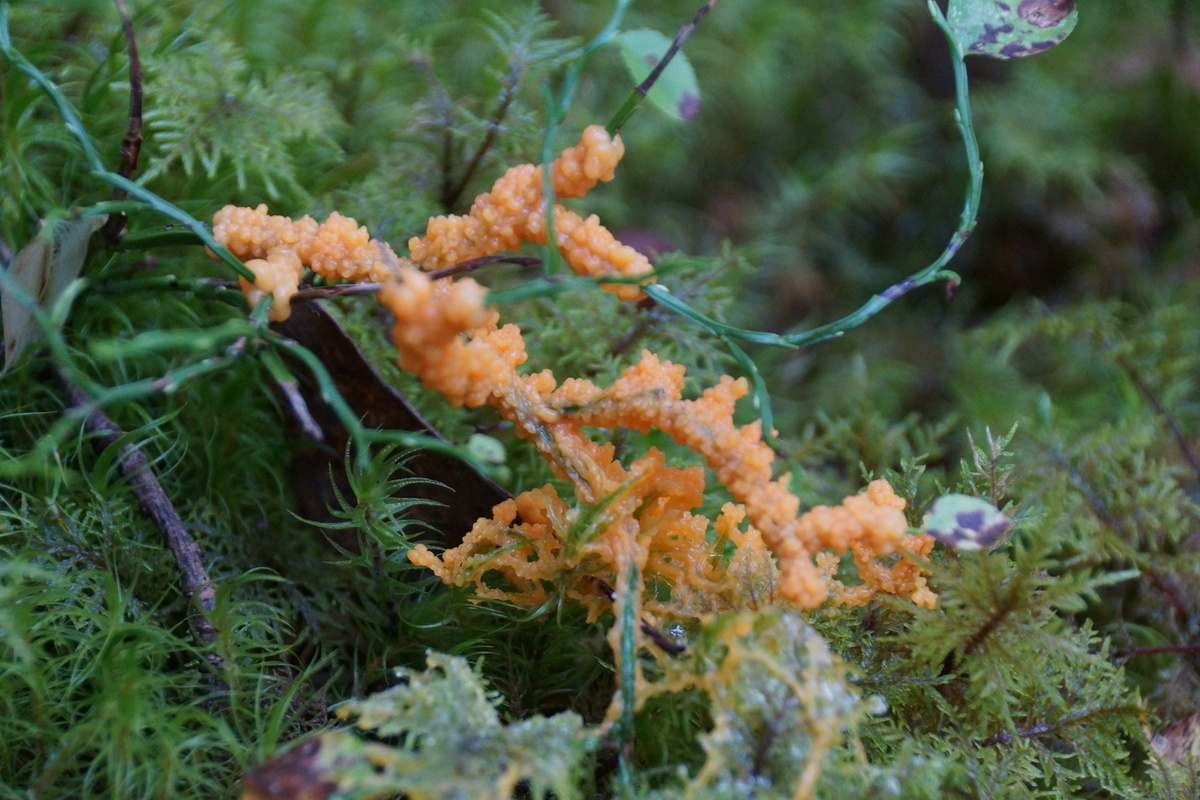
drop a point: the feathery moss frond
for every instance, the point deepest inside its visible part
(211, 109)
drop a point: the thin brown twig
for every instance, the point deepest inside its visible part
(988, 627)
(1152, 397)
(197, 587)
(1035, 731)
(470, 265)
(131, 145)
(341, 290)
(1126, 653)
(444, 106)
(1164, 584)
(652, 313)
(643, 88)
(1181, 26)
(508, 93)
(685, 32)
(667, 645)
(1099, 507)
(1102, 512)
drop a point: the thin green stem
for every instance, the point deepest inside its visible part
(662, 295)
(65, 109)
(172, 341)
(176, 213)
(629, 628)
(203, 288)
(168, 236)
(552, 257)
(560, 104)
(758, 392)
(935, 272)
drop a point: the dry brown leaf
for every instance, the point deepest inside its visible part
(1179, 742)
(42, 269)
(461, 495)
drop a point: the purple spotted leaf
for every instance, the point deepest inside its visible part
(676, 91)
(1010, 28)
(965, 523)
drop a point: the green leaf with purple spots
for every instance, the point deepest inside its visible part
(965, 523)
(676, 91)
(1010, 28)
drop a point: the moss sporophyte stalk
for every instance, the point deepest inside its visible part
(643, 514)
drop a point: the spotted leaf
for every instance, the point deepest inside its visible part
(1010, 28)
(676, 91)
(965, 523)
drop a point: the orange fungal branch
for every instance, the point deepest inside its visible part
(642, 515)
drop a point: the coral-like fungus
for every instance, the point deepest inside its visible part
(537, 540)
(638, 519)
(514, 212)
(649, 497)
(277, 250)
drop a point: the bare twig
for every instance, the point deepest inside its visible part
(508, 93)
(1095, 500)
(131, 145)
(1100, 508)
(470, 265)
(444, 107)
(341, 290)
(1134, 375)
(1164, 584)
(1124, 654)
(668, 646)
(633, 334)
(988, 627)
(671, 648)
(653, 314)
(685, 32)
(155, 504)
(1035, 731)
(1181, 25)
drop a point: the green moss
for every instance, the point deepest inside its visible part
(819, 171)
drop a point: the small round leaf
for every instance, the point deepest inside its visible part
(965, 523)
(676, 91)
(1010, 28)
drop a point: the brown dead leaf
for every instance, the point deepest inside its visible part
(463, 496)
(42, 270)
(1179, 742)
(298, 774)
